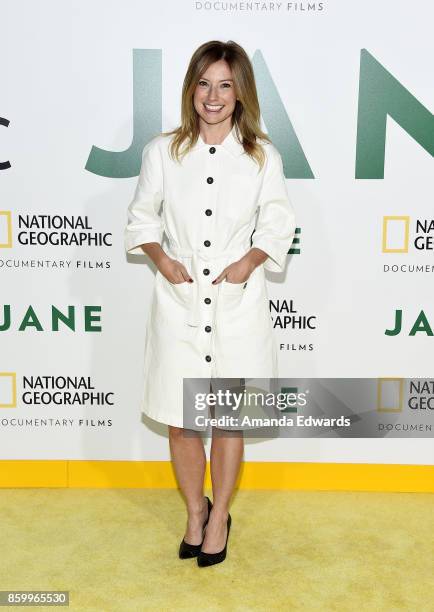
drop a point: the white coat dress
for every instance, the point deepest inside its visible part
(211, 203)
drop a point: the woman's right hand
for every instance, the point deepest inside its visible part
(174, 270)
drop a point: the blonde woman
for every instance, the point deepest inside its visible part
(226, 214)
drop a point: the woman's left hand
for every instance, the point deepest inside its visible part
(236, 272)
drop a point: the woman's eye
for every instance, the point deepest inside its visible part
(223, 84)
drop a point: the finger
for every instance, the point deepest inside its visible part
(220, 277)
(177, 276)
(185, 275)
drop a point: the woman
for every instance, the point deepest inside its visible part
(209, 316)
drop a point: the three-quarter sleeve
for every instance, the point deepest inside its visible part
(144, 224)
(275, 225)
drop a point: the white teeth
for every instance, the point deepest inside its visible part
(212, 108)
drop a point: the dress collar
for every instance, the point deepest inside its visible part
(230, 143)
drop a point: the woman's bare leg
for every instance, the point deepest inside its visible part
(226, 454)
(189, 460)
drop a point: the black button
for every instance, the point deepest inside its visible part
(208, 328)
(207, 243)
(208, 212)
(208, 357)
(210, 180)
(212, 150)
(207, 300)
(206, 271)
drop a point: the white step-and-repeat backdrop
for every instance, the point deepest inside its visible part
(345, 91)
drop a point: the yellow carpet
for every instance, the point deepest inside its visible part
(116, 550)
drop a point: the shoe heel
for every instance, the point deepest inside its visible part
(205, 559)
(189, 551)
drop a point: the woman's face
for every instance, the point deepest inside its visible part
(214, 97)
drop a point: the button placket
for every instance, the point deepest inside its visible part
(212, 176)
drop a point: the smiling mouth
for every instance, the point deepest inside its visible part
(213, 108)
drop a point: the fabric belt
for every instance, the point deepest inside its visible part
(199, 257)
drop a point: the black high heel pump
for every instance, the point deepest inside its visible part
(204, 559)
(188, 551)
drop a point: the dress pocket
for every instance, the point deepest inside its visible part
(231, 294)
(232, 288)
(180, 292)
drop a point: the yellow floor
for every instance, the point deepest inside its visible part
(116, 550)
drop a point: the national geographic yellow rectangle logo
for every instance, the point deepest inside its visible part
(390, 394)
(5, 229)
(396, 230)
(8, 390)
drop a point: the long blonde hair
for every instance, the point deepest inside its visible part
(246, 115)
